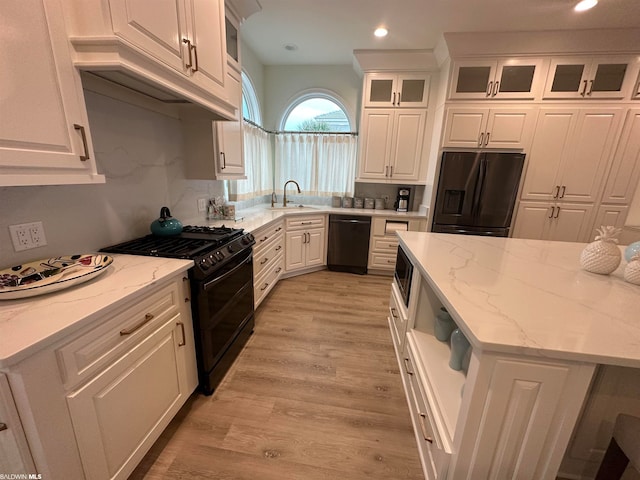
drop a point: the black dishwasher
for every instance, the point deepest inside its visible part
(348, 249)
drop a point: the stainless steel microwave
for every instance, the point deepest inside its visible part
(402, 274)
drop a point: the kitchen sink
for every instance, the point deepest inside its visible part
(292, 208)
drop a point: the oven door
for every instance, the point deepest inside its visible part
(223, 305)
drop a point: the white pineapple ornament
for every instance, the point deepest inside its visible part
(632, 270)
(603, 255)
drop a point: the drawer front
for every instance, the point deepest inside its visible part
(264, 234)
(397, 318)
(116, 335)
(435, 460)
(267, 280)
(264, 256)
(296, 223)
(385, 245)
(382, 261)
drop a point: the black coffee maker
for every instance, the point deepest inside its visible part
(402, 201)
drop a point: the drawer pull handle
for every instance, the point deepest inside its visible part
(3, 427)
(278, 229)
(279, 270)
(406, 366)
(263, 239)
(394, 312)
(128, 331)
(184, 336)
(264, 287)
(423, 428)
(391, 261)
(264, 260)
(306, 223)
(278, 248)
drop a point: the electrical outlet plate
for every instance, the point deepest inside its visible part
(202, 205)
(27, 235)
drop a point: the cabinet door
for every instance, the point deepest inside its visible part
(230, 161)
(119, 414)
(549, 146)
(571, 223)
(406, 153)
(43, 122)
(591, 148)
(380, 89)
(208, 38)
(463, 127)
(473, 79)
(375, 143)
(518, 79)
(315, 248)
(590, 77)
(509, 128)
(295, 243)
(533, 220)
(413, 91)
(614, 215)
(14, 451)
(625, 169)
(157, 27)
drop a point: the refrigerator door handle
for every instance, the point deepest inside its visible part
(482, 174)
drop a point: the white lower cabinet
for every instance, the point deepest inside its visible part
(268, 259)
(383, 243)
(554, 221)
(305, 242)
(508, 416)
(14, 451)
(112, 387)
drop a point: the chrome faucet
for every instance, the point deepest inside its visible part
(284, 191)
(274, 199)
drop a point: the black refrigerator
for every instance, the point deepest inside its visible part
(476, 192)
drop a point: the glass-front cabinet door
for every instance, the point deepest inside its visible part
(408, 90)
(497, 79)
(591, 77)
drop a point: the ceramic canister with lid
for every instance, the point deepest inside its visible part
(358, 202)
(369, 203)
(379, 203)
(347, 202)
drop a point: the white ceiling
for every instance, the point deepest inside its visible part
(327, 31)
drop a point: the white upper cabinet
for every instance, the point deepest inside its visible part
(570, 152)
(175, 46)
(476, 127)
(44, 131)
(403, 90)
(516, 78)
(610, 77)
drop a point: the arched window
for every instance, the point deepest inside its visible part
(250, 105)
(316, 111)
(315, 146)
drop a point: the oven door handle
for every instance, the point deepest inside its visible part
(249, 259)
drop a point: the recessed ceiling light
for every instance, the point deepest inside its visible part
(381, 32)
(585, 5)
(291, 47)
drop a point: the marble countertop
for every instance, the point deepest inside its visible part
(530, 297)
(253, 218)
(30, 324)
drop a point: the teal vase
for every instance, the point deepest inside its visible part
(443, 325)
(459, 346)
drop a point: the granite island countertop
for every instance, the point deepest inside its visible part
(30, 324)
(530, 297)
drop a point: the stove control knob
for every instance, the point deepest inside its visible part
(247, 239)
(204, 264)
(220, 255)
(230, 248)
(211, 259)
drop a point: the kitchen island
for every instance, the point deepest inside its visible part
(539, 329)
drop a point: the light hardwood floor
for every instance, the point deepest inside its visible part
(315, 394)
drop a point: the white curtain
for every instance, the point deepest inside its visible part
(258, 165)
(323, 164)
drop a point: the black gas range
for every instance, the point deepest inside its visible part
(221, 290)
